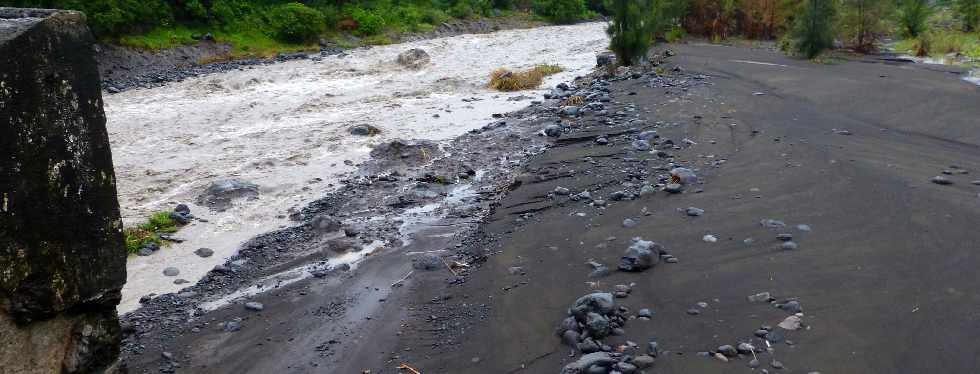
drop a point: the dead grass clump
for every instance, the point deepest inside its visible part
(506, 80)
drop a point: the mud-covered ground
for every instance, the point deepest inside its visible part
(839, 160)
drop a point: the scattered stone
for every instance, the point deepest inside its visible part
(709, 238)
(772, 223)
(784, 237)
(232, 326)
(776, 364)
(683, 176)
(791, 323)
(761, 297)
(254, 306)
(789, 246)
(643, 361)
(695, 212)
(640, 255)
(562, 191)
(553, 131)
(595, 359)
(803, 227)
(728, 350)
(792, 306)
(754, 363)
(674, 188)
(644, 313)
(641, 145)
(745, 348)
(144, 251)
(171, 271)
(721, 357)
(693, 311)
(941, 180)
(516, 270)
(629, 222)
(204, 252)
(180, 281)
(601, 140)
(364, 130)
(618, 196)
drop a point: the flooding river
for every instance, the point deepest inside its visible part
(285, 127)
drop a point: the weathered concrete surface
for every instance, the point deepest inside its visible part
(62, 260)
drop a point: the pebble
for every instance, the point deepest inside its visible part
(695, 212)
(754, 363)
(710, 238)
(693, 311)
(644, 313)
(602, 141)
(171, 271)
(180, 281)
(784, 237)
(803, 227)
(562, 191)
(721, 357)
(776, 364)
(728, 350)
(789, 245)
(674, 188)
(761, 297)
(629, 222)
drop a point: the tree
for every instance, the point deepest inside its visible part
(969, 12)
(560, 11)
(630, 31)
(813, 31)
(862, 21)
(912, 16)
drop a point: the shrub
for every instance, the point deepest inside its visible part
(631, 31)
(813, 30)
(470, 8)
(560, 11)
(368, 22)
(912, 16)
(968, 12)
(861, 22)
(506, 80)
(296, 23)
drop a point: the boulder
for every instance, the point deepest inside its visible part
(61, 246)
(641, 255)
(220, 194)
(414, 58)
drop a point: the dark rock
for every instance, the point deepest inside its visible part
(364, 130)
(183, 209)
(641, 255)
(596, 359)
(414, 58)
(784, 237)
(144, 252)
(605, 59)
(941, 180)
(790, 245)
(171, 271)
(220, 194)
(644, 313)
(791, 307)
(728, 350)
(204, 252)
(599, 302)
(61, 244)
(553, 131)
(643, 361)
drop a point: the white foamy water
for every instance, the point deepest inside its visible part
(280, 126)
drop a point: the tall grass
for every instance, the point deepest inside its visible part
(506, 80)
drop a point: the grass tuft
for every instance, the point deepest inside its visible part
(146, 233)
(506, 80)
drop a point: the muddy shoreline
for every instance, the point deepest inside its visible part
(124, 68)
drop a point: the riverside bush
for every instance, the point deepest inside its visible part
(296, 23)
(560, 11)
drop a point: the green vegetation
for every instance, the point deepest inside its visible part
(912, 16)
(813, 31)
(505, 80)
(561, 11)
(861, 21)
(968, 12)
(139, 236)
(296, 23)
